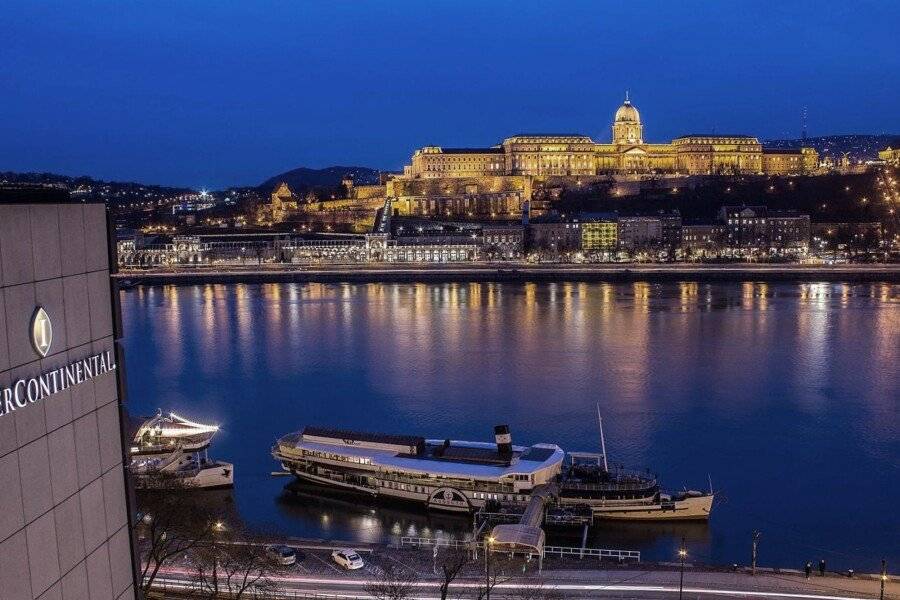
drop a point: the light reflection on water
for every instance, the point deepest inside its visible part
(785, 394)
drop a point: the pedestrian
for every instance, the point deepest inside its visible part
(822, 567)
(808, 569)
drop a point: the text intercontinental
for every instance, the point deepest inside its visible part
(28, 391)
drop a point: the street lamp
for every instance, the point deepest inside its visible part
(682, 552)
(883, 577)
(487, 567)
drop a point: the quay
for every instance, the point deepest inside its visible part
(512, 272)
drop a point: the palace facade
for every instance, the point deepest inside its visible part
(572, 154)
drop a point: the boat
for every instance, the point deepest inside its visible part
(170, 451)
(463, 476)
(447, 475)
(621, 494)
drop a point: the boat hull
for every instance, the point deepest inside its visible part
(450, 500)
(696, 508)
(219, 475)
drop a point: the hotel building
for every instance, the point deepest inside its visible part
(64, 508)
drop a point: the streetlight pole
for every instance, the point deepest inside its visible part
(883, 577)
(682, 552)
(487, 567)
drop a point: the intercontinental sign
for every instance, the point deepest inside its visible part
(27, 391)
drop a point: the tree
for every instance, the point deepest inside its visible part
(169, 523)
(393, 583)
(451, 561)
(497, 576)
(227, 566)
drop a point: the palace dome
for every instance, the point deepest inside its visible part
(627, 113)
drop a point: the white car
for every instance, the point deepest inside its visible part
(283, 555)
(349, 559)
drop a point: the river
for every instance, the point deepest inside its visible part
(784, 396)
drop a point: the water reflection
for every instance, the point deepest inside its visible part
(773, 389)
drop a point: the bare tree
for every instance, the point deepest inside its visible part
(227, 566)
(498, 570)
(393, 583)
(168, 524)
(451, 561)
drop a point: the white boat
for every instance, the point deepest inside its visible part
(620, 494)
(169, 451)
(446, 475)
(461, 476)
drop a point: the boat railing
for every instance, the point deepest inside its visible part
(477, 486)
(608, 487)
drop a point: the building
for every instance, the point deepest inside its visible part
(640, 233)
(282, 203)
(554, 236)
(599, 235)
(746, 227)
(789, 232)
(789, 161)
(671, 230)
(578, 155)
(64, 500)
(890, 156)
(503, 240)
(703, 240)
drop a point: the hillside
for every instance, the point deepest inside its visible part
(303, 178)
(828, 198)
(88, 188)
(859, 147)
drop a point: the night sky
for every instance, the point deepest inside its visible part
(227, 93)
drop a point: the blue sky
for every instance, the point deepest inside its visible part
(229, 93)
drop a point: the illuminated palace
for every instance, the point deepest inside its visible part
(562, 155)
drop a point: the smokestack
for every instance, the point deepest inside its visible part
(504, 441)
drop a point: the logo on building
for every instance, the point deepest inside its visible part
(41, 331)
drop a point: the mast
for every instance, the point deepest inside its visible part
(602, 439)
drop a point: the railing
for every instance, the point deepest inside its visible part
(561, 551)
(419, 542)
(599, 553)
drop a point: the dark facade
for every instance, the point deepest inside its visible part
(504, 241)
(64, 521)
(554, 236)
(746, 227)
(704, 239)
(789, 230)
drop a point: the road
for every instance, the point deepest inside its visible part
(616, 584)
(316, 575)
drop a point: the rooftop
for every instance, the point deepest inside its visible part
(782, 151)
(472, 150)
(716, 135)
(360, 436)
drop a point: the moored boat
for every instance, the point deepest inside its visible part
(171, 451)
(463, 476)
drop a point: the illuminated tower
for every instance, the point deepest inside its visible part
(627, 128)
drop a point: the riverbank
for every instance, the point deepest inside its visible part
(514, 272)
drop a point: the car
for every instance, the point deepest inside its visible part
(347, 558)
(283, 555)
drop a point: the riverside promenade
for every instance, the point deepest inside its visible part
(315, 575)
(511, 271)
